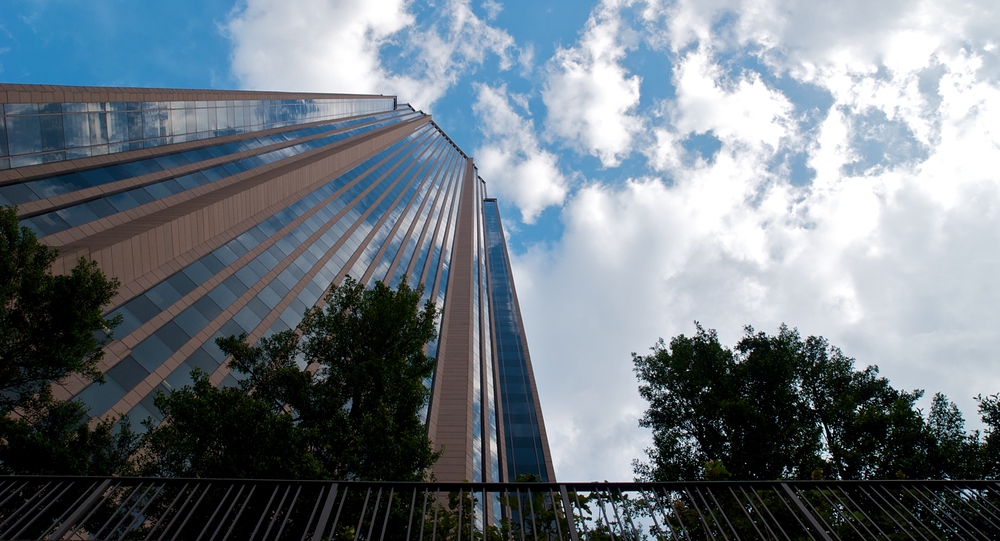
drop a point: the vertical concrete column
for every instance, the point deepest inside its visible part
(449, 422)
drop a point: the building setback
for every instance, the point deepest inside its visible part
(223, 212)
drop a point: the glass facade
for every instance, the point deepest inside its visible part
(34, 133)
(100, 206)
(300, 251)
(209, 240)
(521, 423)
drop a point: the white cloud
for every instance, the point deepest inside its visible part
(316, 45)
(889, 251)
(742, 112)
(589, 95)
(493, 9)
(511, 158)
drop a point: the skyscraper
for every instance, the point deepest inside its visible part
(223, 212)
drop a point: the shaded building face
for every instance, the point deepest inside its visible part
(225, 212)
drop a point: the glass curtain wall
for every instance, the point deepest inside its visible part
(522, 435)
(395, 210)
(34, 133)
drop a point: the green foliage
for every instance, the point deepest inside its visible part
(224, 432)
(989, 455)
(55, 439)
(51, 327)
(352, 415)
(778, 407)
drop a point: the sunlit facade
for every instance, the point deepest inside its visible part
(225, 212)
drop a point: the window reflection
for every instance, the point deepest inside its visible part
(172, 336)
(36, 133)
(53, 186)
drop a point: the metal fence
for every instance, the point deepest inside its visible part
(221, 509)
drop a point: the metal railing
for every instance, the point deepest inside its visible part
(221, 509)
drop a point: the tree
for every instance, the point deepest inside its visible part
(989, 451)
(51, 327)
(740, 409)
(57, 439)
(225, 432)
(353, 414)
(780, 407)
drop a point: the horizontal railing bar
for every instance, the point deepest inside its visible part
(626, 486)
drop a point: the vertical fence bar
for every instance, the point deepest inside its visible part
(27, 504)
(891, 506)
(229, 511)
(80, 511)
(952, 512)
(423, 515)
(604, 511)
(520, 513)
(214, 513)
(628, 515)
(839, 509)
(981, 501)
(800, 497)
(125, 502)
(531, 505)
(55, 498)
(663, 511)
(288, 513)
(460, 507)
(324, 516)
(763, 517)
(59, 508)
(388, 509)
(694, 503)
(555, 515)
(864, 514)
(55, 520)
(180, 512)
(946, 519)
(197, 504)
(725, 517)
(583, 519)
(364, 511)
(792, 511)
(371, 523)
(239, 513)
(319, 498)
(413, 505)
(746, 513)
(568, 511)
(336, 519)
(434, 528)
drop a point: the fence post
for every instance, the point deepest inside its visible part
(804, 511)
(568, 511)
(80, 511)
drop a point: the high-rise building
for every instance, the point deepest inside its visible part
(224, 212)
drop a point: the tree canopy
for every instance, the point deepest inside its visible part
(50, 327)
(778, 406)
(353, 413)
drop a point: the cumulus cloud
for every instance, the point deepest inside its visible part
(844, 182)
(317, 45)
(888, 249)
(589, 95)
(511, 158)
(742, 112)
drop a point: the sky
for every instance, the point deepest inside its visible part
(827, 164)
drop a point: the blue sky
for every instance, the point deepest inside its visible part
(829, 164)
